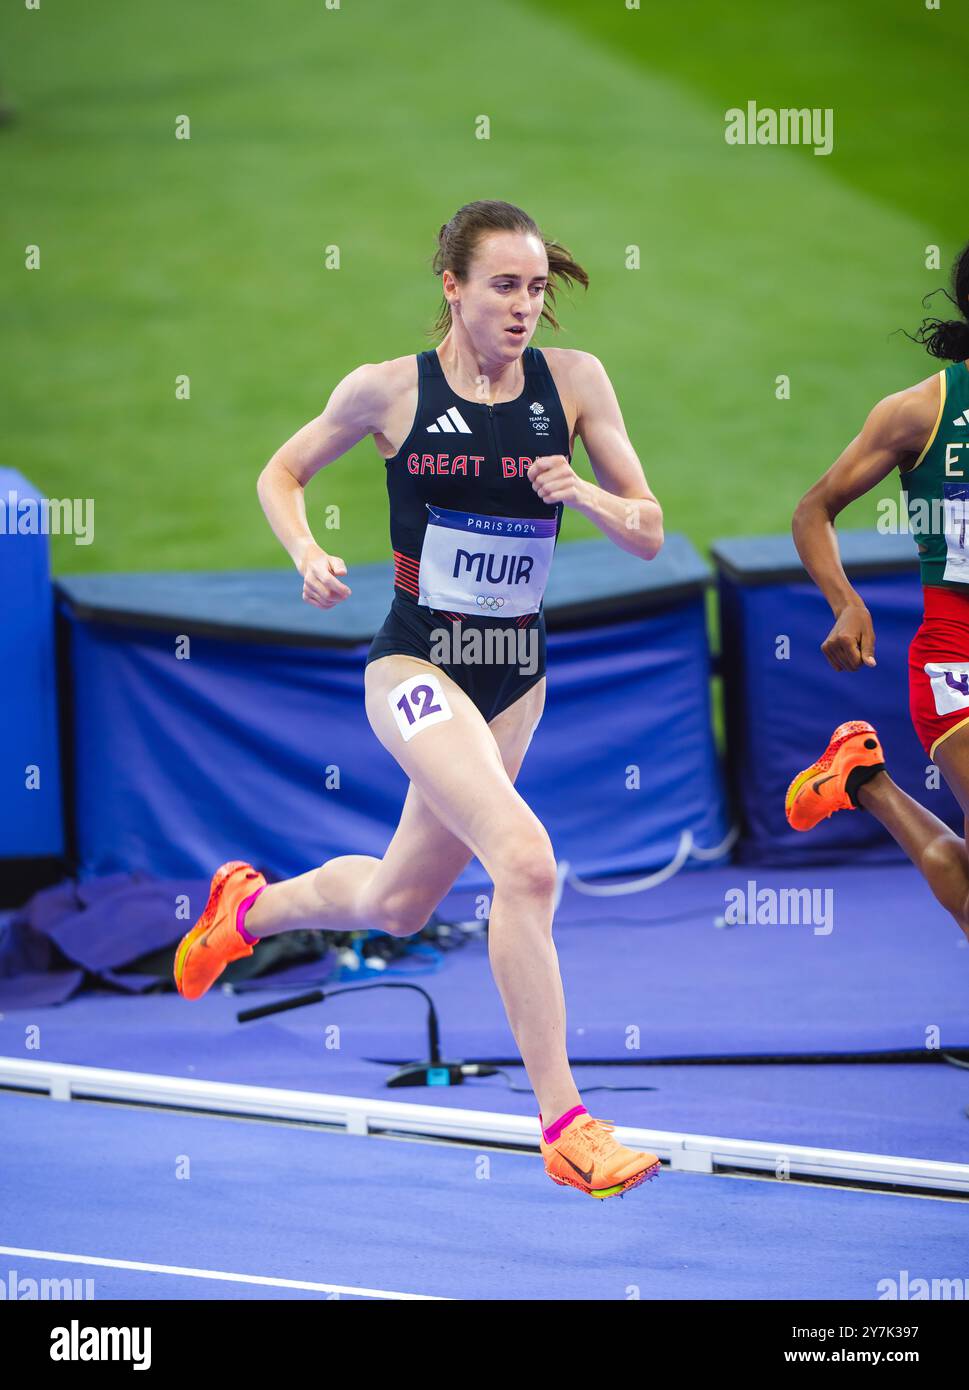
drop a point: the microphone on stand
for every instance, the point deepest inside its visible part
(433, 1072)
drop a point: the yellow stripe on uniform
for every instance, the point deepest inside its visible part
(942, 737)
(935, 428)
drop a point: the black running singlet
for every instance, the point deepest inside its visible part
(465, 459)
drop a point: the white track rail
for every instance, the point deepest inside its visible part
(695, 1153)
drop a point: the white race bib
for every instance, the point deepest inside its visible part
(950, 685)
(955, 511)
(493, 566)
(417, 703)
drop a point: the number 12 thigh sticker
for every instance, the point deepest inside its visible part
(417, 703)
(950, 685)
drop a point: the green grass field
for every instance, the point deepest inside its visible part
(355, 127)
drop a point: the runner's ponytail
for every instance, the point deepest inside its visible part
(949, 338)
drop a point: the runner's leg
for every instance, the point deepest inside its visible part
(462, 801)
(458, 768)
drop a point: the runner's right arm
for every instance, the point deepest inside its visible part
(354, 410)
(892, 436)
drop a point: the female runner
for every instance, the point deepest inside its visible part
(477, 439)
(922, 431)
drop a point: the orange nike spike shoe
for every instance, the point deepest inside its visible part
(205, 951)
(832, 783)
(586, 1156)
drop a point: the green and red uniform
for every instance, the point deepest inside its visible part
(936, 489)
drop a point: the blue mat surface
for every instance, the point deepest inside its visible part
(893, 965)
(886, 970)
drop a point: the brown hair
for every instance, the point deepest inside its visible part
(458, 239)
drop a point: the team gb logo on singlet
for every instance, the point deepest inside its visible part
(540, 421)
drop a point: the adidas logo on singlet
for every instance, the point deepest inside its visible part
(445, 426)
(962, 419)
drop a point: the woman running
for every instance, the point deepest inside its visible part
(477, 439)
(924, 433)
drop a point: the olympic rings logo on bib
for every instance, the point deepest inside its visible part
(475, 563)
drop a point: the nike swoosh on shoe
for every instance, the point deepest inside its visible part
(587, 1177)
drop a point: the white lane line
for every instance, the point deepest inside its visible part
(214, 1274)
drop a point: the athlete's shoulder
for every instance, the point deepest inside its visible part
(370, 389)
(571, 363)
(905, 419)
(388, 377)
(577, 374)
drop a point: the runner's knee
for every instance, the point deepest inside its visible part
(404, 926)
(941, 855)
(398, 917)
(526, 864)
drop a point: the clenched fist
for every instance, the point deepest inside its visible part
(321, 585)
(851, 642)
(554, 479)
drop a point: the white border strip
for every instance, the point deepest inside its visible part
(218, 1274)
(695, 1153)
